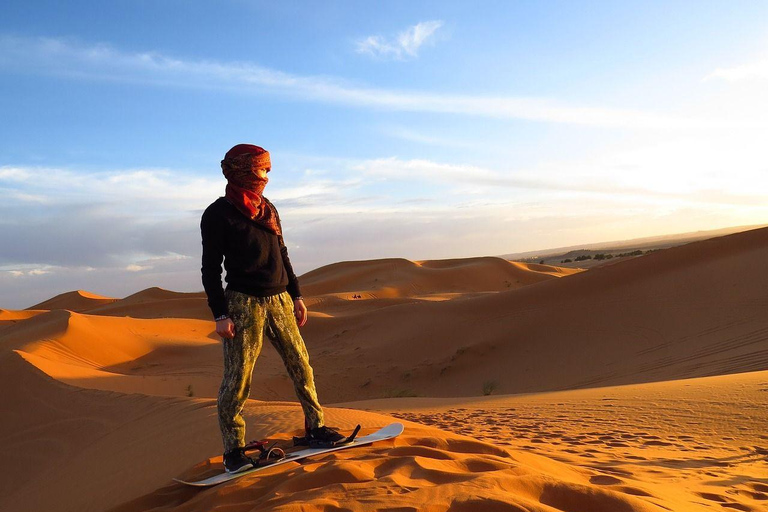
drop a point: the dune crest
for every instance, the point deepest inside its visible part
(158, 303)
(10, 316)
(153, 356)
(397, 277)
(77, 300)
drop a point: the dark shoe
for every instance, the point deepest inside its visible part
(325, 436)
(236, 461)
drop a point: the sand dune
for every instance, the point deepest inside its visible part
(89, 380)
(159, 357)
(149, 303)
(181, 358)
(396, 277)
(67, 448)
(695, 444)
(10, 316)
(689, 311)
(164, 437)
(64, 336)
(78, 300)
(637, 448)
(157, 303)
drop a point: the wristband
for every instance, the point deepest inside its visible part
(222, 317)
(298, 298)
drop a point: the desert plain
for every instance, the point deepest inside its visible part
(640, 384)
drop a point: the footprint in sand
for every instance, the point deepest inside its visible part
(657, 443)
(757, 486)
(748, 493)
(605, 480)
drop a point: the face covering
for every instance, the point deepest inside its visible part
(245, 188)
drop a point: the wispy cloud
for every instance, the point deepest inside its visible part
(133, 188)
(102, 62)
(405, 44)
(757, 70)
(405, 133)
(28, 271)
(598, 178)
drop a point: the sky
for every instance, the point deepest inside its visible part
(418, 130)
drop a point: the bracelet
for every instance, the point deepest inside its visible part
(222, 317)
(298, 298)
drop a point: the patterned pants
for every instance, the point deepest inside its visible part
(253, 317)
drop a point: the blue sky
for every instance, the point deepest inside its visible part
(397, 129)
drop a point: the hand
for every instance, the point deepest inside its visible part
(300, 310)
(225, 328)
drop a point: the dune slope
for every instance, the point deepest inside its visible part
(157, 438)
(397, 277)
(157, 303)
(690, 311)
(78, 300)
(66, 448)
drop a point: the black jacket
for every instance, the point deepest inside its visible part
(256, 260)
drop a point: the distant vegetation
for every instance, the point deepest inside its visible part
(607, 256)
(489, 387)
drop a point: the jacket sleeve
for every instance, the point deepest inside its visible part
(293, 282)
(213, 256)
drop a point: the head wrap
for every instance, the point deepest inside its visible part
(245, 187)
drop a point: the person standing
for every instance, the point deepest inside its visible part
(262, 296)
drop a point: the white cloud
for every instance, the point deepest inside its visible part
(376, 45)
(412, 39)
(757, 70)
(100, 62)
(714, 171)
(14, 174)
(132, 189)
(156, 261)
(407, 42)
(405, 133)
(27, 270)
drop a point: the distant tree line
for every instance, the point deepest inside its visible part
(603, 256)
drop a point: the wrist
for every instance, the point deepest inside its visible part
(222, 317)
(298, 298)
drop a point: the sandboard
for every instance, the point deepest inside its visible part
(388, 432)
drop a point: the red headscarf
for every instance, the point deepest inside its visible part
(245, 187)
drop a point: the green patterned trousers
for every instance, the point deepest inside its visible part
(253, 317)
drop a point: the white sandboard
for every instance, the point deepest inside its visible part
(388, 432)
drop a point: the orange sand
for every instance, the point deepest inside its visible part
(78, 300)
(677, 341)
